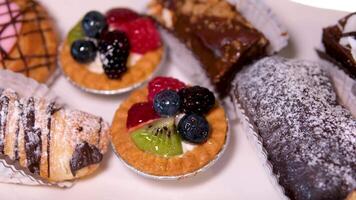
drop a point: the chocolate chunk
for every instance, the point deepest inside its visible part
(83, 156)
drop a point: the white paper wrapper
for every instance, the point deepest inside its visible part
(10, 171)
(345, 90)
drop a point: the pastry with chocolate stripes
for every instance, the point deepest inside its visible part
(55, 143)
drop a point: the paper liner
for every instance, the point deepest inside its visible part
(11, 171)
(254, 11)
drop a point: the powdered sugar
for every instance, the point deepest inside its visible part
(309, 138)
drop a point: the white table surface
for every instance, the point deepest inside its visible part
(238, 175)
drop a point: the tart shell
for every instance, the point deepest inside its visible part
(154, 165)
(82, 77)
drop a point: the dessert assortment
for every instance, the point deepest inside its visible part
(54, 142)
(308, 136)
(215, 33)
(169, 130)
(28, 39)
(112, 52)
(340, 43)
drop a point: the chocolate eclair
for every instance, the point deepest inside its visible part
(340, 43)
(55, 143)
(217, 35)
(309, 138)
(28, 39)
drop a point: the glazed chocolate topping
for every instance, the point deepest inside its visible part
(4, 105)
(222, 43)
(32, 136)
(84, 155)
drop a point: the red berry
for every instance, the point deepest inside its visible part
(163, 83)
(118, 16)
(143, 35)
(140, 113)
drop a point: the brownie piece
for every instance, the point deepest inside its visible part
(219, 37)
(309, 138)
(336, 42)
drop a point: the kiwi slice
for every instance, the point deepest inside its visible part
(76, 33)
(159, 137)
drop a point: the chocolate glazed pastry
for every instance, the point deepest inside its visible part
(217, 35)
(56, 143)
(309, 138)
(28, 41)
(340, 43)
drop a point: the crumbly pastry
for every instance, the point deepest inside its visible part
(217, 35)
(190, 159)
(28, 39)
(309, 138)
(340, 43)
(111, 52)
(55, 143)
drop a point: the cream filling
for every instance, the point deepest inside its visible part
(350, 41)
(97, 67)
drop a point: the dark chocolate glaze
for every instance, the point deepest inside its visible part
(221, 45)
(51, 109)
(4, 106)
(84, 155)
(32, 137)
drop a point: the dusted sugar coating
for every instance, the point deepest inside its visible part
(310, 139)
(55, 143)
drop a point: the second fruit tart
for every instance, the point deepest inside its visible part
(169, 129)
(111, 53)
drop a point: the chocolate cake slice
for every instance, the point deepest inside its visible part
(309, 138)
(219, 37)
(340, 43)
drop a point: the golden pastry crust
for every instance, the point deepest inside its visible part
(171, 166)
(136, 74)
(36, 47)
(352, 195)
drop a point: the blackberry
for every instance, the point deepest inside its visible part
(114, 49)
(196, 99)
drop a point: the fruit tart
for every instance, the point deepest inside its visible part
(169, 130)
(28, 39)
(111, 53)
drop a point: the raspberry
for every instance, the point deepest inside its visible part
(140, 113)
(118, 16)
(163, 83)
(143, 35)
(196, 100)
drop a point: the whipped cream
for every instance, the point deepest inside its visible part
(349, 41)
(97, 66)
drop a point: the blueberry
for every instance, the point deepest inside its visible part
(194, 128)
(166, 103)
(93, 24)
(83, 51)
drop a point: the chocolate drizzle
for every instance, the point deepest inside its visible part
(51, 109)
(16, 146)
(5, 58)
(84, 155)
(32, 136)
(4, 106)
